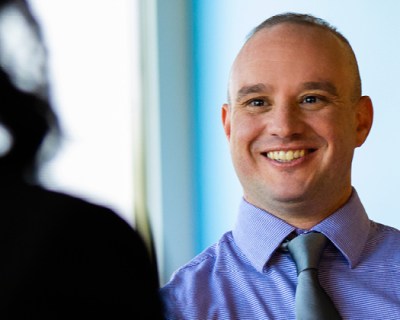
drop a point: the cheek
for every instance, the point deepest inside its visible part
(245, 129)
(337, 129)
(245, 132)
(340, 138)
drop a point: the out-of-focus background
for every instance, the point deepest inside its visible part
(139, 84)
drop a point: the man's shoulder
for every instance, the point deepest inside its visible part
(380, 230)
(383, 242)
(194, 288)
(205, 267)
(210, 256)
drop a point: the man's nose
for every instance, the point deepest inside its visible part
(285, 121)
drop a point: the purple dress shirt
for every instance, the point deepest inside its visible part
(246, 276)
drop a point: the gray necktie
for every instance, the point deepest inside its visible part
(312, 302)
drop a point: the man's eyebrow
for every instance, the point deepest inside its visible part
(321, 85)
(311, 85)
(245, 90)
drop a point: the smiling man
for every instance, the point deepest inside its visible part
(294, 118)
(295, 115)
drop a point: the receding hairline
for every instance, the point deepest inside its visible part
(301, 19)
(311, 21)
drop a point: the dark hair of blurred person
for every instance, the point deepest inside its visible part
(61, 256)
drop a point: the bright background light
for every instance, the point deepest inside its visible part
(92, 67)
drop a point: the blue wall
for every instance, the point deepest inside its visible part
(214, 174)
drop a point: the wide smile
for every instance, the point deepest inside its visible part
(287, 155)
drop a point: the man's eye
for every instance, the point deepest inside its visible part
(313, 102)
(257, 103)
(310, 99)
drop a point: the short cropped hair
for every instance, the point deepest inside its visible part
(312, 21)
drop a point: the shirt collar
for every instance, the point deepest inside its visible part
(347, 229)
(259, 234)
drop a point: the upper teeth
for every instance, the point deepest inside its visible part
(286, 155)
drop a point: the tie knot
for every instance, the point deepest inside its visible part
(306, 250)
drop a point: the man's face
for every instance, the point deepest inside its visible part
(293, 120)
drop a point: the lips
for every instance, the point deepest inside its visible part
(286, 155)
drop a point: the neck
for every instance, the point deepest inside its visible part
(305, 214)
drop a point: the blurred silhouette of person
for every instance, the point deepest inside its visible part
(61, 256)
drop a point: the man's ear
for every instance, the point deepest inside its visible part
(226, 120)
(365, 115)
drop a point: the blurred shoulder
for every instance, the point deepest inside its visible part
(57, 210)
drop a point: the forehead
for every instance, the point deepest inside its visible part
(301, 52)
(293, 39)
